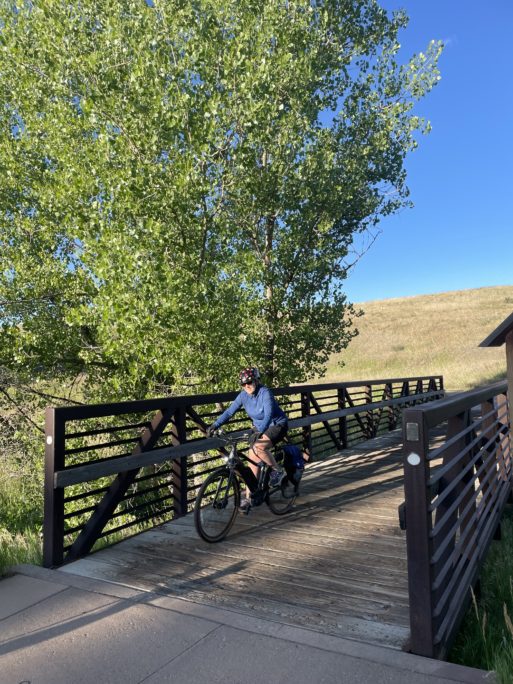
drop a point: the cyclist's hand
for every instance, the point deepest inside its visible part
(211, 431)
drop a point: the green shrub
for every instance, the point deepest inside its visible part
(21, 502)
(20, 547)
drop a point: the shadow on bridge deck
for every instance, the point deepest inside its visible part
(337, 564)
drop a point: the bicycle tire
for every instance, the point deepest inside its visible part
(280, 501)
(216, 505)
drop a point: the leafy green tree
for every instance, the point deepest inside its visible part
(182, 182)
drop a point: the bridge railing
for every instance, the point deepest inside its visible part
(456, 487)
(116, 469)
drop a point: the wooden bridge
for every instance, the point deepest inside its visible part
(337, 564)
(340, 563)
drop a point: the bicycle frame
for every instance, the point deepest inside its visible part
(234, 463)
(258, 486)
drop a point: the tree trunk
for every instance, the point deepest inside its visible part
(269, 369)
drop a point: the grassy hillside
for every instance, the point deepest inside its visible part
(429, 334)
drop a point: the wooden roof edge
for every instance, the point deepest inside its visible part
(498, 336)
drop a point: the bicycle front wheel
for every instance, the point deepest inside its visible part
(281, 499)
(216, 505)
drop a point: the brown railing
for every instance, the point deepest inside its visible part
(116, 469)
(457, 467)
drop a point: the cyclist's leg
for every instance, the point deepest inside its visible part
(261, 451)
(252, 463)
(264, 444)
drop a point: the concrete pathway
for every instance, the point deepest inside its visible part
(59, 628)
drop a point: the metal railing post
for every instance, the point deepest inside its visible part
(405, 391)
(179, 466)
(53, 523)
(392, 419)
(342, 422)
(418, 528)
(307, 429)
(369, 423)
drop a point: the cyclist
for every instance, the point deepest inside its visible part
(270, 425)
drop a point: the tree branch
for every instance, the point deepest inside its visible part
(21, 410)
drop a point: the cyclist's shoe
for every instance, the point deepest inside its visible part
(277, 476)
(245, 506)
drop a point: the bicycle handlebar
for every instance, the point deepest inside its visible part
(231, 438)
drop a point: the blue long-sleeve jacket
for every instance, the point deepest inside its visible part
(261, 407)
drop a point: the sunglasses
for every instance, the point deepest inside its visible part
(251, 382)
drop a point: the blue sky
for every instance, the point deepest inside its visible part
(459, 234)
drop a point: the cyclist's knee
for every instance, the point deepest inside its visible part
(262, 448)
(263, 442)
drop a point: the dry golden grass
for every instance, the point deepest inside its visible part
(428, 334)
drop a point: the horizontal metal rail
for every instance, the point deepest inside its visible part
(131, 407)
(76, 474)
(456, 404)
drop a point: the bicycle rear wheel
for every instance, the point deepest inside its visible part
(281, 499)
(216, 505)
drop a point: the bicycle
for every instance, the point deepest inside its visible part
(218, 498)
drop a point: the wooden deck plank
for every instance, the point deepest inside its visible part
(336, 564)
(226, 582)
(368, 577)
(262, 566)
